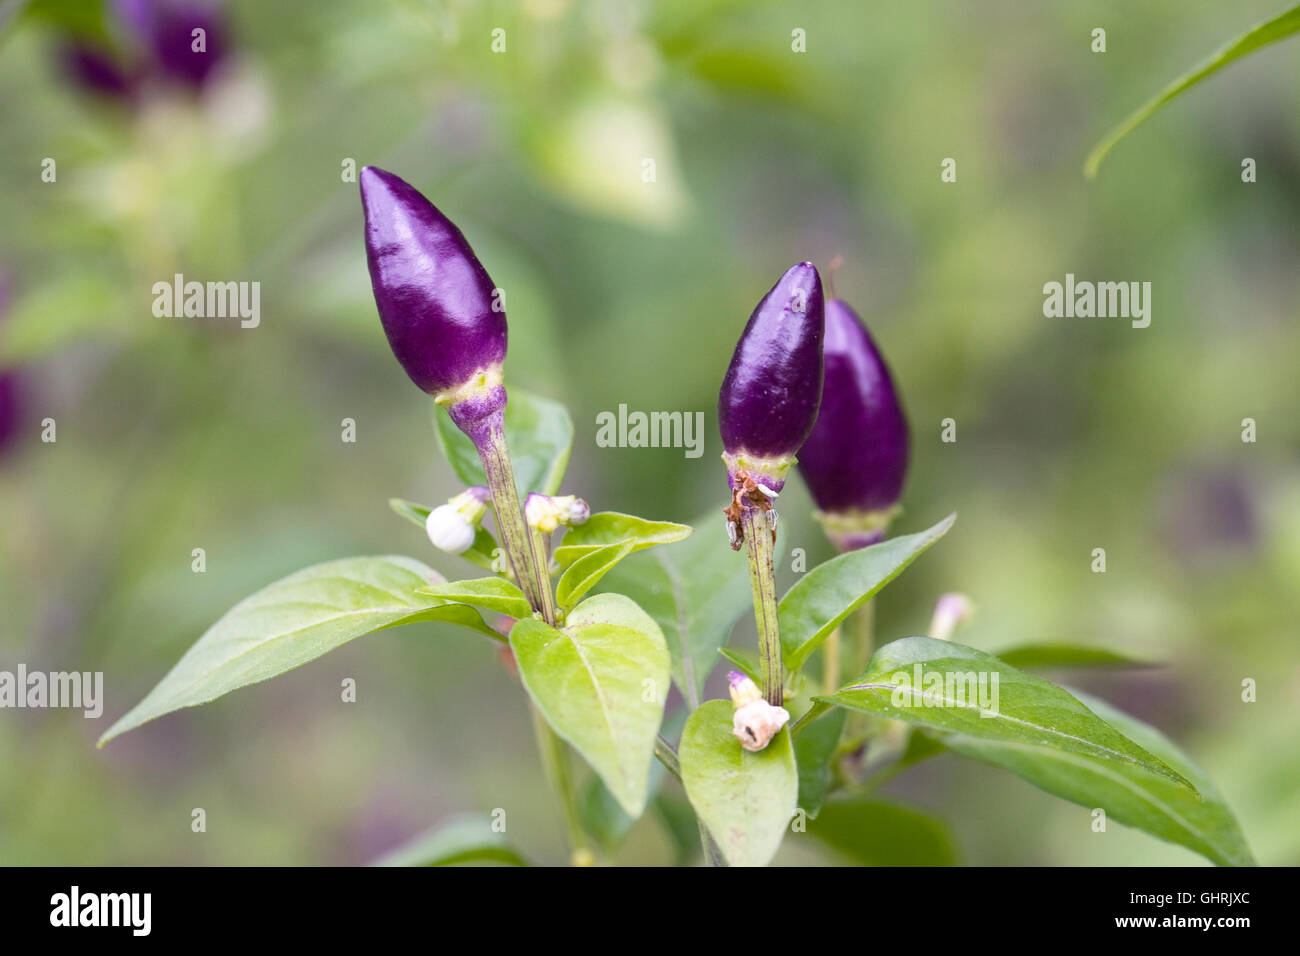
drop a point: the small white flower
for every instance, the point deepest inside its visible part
(542, 513)
(756, 723)
(449, 530)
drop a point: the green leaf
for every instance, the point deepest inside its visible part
(296, 620)
(495, 594)
(539, 434)
(830, 592)
(459, 840)
(695, 589)
(585, 573)
(950, 687)
(880, 833)
(600, 681)
(607, 528)
(745, 799)
(1129, 795)
(1040, 656)
(480, 553)
(813, 749)
(1262, 34)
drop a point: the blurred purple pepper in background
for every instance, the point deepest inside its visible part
(769, 397)
(166, 30)
(160, 48)
(436, 301)
(855, 460)
(10, 397)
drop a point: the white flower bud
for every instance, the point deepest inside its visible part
(449, 530)
(542, 513)
(756, 723)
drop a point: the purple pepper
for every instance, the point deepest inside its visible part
(97, 71)
(772, 388)
(10, 392)
(855, 460)
(435, 298)
(169, 29)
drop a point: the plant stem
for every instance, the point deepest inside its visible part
(864, 622)
(534, 577)
(555, 760)
(831, 663)
(758, 543)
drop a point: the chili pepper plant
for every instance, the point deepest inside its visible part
(598, 633)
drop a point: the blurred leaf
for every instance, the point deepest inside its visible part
(589, 681)
(539, 434)
(479, 553)
(72, 309)
(495, 594)
(878, 833)
(293, 621)
(606, 528)
(1039, 656)
(933, 683)
(830, 592)
(585, 573)
(1262, 34)
(603, 818)
(745, 799)
(695, 589)
(813, 748)
(681, 826)
(459, 840)
(1199, 821)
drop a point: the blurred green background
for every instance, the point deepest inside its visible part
(175, 434)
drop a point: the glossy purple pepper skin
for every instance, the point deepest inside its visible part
(773, 386)
(435, 298)
(856, 458)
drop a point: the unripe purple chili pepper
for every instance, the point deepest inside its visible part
(443, 320)
(769, 397)
(766, 409)
(856, 458)
(436, 301)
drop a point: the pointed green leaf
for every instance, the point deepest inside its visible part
(606, 528)
(746, 663)
(1199, 821)
(600, 681)
(830, 592)
(695, 589)
(296, 620)
(875, 832)
(745, 799)
(465, 839)
(585, 573)
(1040, 656)
(539, 434)
(957, 689)
(495, 594)
(1283, 25)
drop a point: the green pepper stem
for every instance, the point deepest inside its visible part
(759, 541)
(534, 579)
